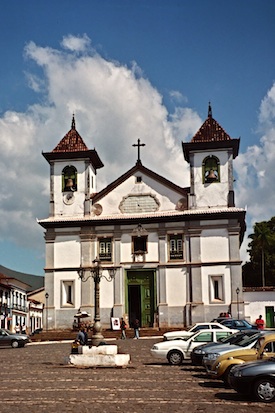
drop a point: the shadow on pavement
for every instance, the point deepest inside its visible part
(233, 397)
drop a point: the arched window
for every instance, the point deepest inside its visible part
(69, 179)
(211, 170)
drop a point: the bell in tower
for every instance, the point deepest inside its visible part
(211, 176)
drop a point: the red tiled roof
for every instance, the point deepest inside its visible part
(210, 131)
(72, 142)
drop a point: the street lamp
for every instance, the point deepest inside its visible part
(238, 292)
(96, 272)
(47, 297)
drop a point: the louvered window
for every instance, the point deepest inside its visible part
(105, 249)
(175, 247)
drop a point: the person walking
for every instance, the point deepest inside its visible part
(260, 323)
(136, 328)
(123, 329)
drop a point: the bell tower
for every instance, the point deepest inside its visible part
(210, 155)
(72, 175)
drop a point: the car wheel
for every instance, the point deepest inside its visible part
(14, 344)
(264, 390)
(226, 374)
(175, 357)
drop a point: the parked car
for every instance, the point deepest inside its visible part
(172, 335)
(211, 356)
(36, 331)
(264, 348)
(175, 351)
(199, 352)
(218, 319)
(255, 378)
(7, 338)
(237, 324)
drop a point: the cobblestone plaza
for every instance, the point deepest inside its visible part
(37, 378)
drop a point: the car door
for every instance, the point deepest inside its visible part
(269, 350)
(203, 337)
(3, 338)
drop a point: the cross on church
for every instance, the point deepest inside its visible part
(138, 145)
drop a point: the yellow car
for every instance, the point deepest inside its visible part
(264, 348)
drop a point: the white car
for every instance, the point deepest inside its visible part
(175, 351)
(172, 335)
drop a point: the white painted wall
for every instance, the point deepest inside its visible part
(67, 252)
(176, 287)
(214, 245)
(255, 303)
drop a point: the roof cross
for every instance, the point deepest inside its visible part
(138, 145)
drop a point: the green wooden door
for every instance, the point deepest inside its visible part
(269, 312)
(140, 300)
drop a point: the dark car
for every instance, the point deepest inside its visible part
(7, 338)
(198, 352)
(237, 324)
(255, 378)
(37, 331)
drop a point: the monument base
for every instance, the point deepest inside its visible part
(101, 356)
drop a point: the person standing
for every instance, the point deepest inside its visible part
(136, 328)
(123, 329)
(260, 323)
(17, 329)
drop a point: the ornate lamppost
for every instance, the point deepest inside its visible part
(238, 310)
(96, 272)
(47, 298)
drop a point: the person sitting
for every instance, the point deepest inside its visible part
(81, 337)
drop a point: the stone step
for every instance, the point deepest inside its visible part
(60, 335)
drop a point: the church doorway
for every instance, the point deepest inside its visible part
(140, 300)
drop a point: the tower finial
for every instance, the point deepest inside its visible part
(209, 110)
(73, 122)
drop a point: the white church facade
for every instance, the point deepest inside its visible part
(175, 251)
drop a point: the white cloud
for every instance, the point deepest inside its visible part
(255, 169)
(114, 105)
(178, 97)
(76, 43)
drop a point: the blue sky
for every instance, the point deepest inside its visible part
(168, 59)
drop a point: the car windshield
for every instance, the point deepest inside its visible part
(231, 338)
(246, 340)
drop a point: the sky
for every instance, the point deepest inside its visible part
(129, 70)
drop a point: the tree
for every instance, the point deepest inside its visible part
(260, 271)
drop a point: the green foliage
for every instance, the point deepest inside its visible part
(260, 270)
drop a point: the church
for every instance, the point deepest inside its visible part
(173, 253)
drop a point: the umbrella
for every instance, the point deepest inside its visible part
(82, 314)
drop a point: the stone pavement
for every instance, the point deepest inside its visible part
(37, 379)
